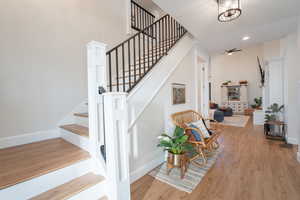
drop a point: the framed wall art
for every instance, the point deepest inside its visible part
(178, 93)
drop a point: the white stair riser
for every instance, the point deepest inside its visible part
(36, 186)
(80, 141)
(82, 121)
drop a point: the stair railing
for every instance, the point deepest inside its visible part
(131, 60)
(140, 17)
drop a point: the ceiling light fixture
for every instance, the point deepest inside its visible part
(246, 38)
(229, 10)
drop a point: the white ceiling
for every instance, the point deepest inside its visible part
(262, 20)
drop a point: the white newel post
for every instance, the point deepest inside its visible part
(96, 58)
(117, 141)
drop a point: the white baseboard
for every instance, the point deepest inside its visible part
(142, 171)
(291, 140)
(28, 138)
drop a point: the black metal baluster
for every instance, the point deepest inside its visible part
(141, 19)
(169, 33)
(129, 71)
(148, 52)
(123, 68)
(134, 60)
(159, 44)
(140, 72)
(177, 31)
(172, 36)
(144, 53)
(163, 35)
(131, 12)
(109, 72)
(136, 16)
(117, 69)
(152, 52)
(156, 38)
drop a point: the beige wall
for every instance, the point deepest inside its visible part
(239, 66)
(43, 57)
(156, 118)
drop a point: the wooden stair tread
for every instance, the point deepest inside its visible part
(81, 114)
(28, 161)
(77, 129)
(71, 188)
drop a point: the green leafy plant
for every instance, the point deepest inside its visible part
(177, 144)
(273, 111)
(226, 83)
(258, 102)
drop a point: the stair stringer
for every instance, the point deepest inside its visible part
(144, 93)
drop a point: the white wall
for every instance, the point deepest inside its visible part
(239, 66)
(156, 118)
(299, 86)
(271, 49)
(43, 57)
(290, 52)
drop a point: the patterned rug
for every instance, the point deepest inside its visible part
(192, 177)
(236, 120)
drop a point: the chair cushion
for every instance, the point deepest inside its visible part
(201, 126)
(195, 133)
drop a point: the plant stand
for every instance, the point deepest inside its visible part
(182, 164)
(271, 127)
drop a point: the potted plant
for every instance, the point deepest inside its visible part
(258, 103)
(176, 146)
(272, 113)
(226, 83)
(272, 123)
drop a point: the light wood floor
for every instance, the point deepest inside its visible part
(21, 163)
(249, 168)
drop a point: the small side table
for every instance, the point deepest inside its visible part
(270, 130)
(183, 165)
(249, 111)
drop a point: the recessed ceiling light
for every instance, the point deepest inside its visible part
(246, 38)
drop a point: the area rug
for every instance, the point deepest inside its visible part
(236, 120)
(192, 177)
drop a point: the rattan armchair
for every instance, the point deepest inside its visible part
(206, 145)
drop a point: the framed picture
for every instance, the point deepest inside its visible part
(178, 93)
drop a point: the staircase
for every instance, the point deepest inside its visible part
(67, 167)
(134, 58)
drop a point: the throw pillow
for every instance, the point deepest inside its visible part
(195, 133)
(202, 128)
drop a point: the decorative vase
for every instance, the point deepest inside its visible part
(174, 159)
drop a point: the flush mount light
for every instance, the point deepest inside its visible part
(246, 38)
(229, 10)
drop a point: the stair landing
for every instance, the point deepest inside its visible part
(25, 162)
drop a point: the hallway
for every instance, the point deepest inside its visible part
(249, 168)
